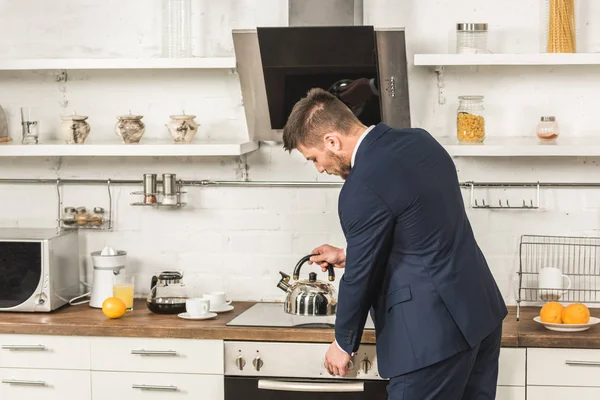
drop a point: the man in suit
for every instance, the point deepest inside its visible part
(411, 256)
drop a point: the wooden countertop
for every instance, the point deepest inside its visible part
(84, 321)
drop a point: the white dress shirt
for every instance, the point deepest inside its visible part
(358, 142)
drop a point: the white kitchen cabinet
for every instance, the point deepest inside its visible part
(158, 355)
(511, 369)
(47, 384)
(563, 367)
(510, 393)
(562, 393)
(45, 351)
(156, 386)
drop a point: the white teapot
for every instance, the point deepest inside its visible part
(182, 128)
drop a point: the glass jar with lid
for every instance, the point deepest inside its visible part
(471, 38)
(69, 216)
(81, 216)
(547, 129)
(97, 218)
(470, 122)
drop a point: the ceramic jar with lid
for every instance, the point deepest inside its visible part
(74, 129)
(130, 128)
(182, 128)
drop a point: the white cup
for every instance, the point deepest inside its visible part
(197, 307)
(550, 283)
(217, 300)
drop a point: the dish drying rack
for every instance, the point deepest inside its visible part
(577, 257)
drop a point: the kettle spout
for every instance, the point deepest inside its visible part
(283, 283)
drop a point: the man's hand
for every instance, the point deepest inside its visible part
(327, 254)
(336, 361)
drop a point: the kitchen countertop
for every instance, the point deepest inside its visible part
(82, 320)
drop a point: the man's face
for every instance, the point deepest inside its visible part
(329, 158)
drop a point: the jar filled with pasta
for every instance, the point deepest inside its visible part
(470, 120)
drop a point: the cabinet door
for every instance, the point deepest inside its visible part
(511, 369)
(44, 351)
(156, 386)
(188, 356)
(48, 384)
(510, 393)
(563, 367)
(562, 393)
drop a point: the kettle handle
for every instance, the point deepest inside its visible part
(153, 283)
(304, 259)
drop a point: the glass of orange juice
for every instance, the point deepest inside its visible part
(123, 289)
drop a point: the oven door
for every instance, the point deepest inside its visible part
(254, 388)
(20, 272)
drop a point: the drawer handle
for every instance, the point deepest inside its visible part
(143, 352)
(23, 383)
(156, 388)
(587, 363)
(311, 387)
(24, 347)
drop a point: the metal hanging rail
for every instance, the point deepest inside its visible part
(205, 183)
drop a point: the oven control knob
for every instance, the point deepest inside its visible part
(365, 365)
(240, 362)
(258, 363)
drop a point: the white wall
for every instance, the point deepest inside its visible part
(237, 239)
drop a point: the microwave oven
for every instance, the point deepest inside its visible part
(39, 269)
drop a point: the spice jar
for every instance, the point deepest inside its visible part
(97, 217)
(82, 216)
(469, 120)
(170, 190)
(471, 38)
(547, 129)
(69, 216)
(150, 189)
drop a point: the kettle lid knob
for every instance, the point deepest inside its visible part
(312, 277)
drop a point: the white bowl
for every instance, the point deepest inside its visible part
(568, 327)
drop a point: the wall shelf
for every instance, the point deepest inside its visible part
(539, 59)
(146, 148)
(117, 63)
(524, 147)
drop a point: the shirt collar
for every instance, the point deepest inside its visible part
(360, 139)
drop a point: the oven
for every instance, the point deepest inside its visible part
(277, 370)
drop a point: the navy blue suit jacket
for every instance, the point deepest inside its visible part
(412, 258)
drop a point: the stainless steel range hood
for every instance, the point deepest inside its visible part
(324, 44)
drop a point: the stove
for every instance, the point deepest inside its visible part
(272, 315)
(276, 370)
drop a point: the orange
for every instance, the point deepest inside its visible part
(113, 307)
(551, 312)
(576, 314)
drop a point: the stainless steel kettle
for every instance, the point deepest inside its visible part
(309, 297)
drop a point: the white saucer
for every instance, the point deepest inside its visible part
(568, 327)
(226, 308)
(209, 315)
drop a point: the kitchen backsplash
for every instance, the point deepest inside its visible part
(237, 239)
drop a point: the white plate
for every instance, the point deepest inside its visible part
(222, 309)
(568, 327)
(185, 315)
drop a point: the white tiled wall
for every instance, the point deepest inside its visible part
(238, 239)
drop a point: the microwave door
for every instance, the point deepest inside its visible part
(20, 272)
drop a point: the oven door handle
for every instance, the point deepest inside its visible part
(311, 387)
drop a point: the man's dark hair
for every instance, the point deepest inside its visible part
(313, 116)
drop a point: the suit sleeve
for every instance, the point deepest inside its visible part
(368, 224)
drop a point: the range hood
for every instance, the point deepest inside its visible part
(324, 45)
